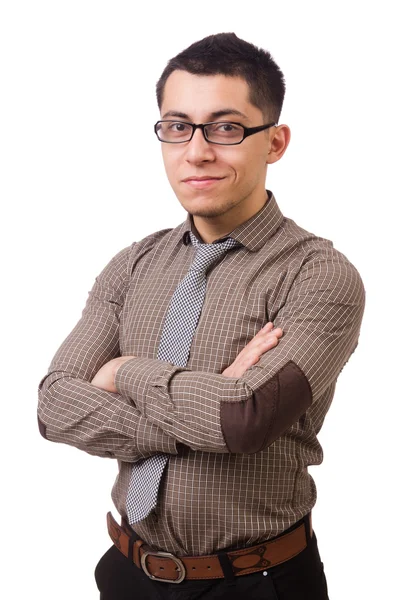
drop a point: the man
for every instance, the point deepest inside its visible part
(206, 356)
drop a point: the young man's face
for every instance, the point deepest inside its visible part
(240, 190)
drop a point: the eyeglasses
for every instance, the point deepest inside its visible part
(224, 132)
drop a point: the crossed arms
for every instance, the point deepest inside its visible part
(158, 405)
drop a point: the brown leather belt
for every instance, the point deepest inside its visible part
(164, 566)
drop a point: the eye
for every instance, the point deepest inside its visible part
(177, 127)
(227, 127)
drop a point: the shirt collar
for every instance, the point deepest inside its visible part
(252, 233)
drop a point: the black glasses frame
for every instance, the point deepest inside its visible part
(247, 130)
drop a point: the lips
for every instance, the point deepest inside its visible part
(204, 178)
(202, 183)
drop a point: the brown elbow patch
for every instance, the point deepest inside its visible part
(252, 425)
(42, 428)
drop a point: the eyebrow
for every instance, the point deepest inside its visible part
(214, 115)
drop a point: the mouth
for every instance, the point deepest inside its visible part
(202, 182)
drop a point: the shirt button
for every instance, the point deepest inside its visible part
(265, 573)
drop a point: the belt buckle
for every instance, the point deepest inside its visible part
(179, 566)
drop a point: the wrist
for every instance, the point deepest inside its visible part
(117, 364)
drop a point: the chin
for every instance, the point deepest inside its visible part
(208, 211)
(201, 199)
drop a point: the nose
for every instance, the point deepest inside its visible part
(198, 149)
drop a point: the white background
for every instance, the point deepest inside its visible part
(82, 177)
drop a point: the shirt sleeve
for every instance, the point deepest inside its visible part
(321, 320)
(73, 411)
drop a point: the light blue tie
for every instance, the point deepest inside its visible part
(178, 330)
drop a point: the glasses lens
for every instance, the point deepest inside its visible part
(173, 131)
(224, 133)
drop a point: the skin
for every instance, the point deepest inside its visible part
(220, 208)
(233, 200)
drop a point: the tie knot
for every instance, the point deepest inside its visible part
(207, 254)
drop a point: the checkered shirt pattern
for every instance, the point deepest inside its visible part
(210, 497)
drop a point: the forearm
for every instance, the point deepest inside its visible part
(185, 404)
(213, 413)
(210, 412)
(74, 412)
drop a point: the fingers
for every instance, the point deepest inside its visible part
(266, 328)
(269, 328)
(266, 339)
(263, 341)
(266, 334)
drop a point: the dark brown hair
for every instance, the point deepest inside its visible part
(226, 54)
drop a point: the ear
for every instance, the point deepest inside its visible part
(278, 143)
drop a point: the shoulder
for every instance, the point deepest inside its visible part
(124, 261)
(323, 268)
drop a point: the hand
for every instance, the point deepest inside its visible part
(266, 339)
(104, 379)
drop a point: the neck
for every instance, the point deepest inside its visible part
(214, 228)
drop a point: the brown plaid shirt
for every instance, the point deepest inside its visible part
(239, 447)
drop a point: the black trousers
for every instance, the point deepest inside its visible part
(300, 578)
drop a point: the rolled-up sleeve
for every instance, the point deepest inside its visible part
(73, 411)
(321, 320)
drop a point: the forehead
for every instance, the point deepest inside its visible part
(200, 96)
